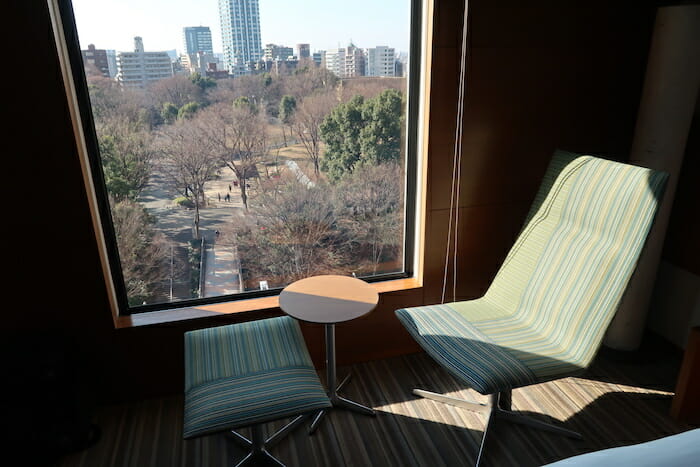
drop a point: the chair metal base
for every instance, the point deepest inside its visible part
(258, 445)
(339, 402)
(498, 407)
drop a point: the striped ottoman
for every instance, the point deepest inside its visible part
(248, 374)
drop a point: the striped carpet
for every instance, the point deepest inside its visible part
(621, 400)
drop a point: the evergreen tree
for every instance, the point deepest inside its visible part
(188, 110)
(288, 105)
(361, 132)
(203, 82)
(169, 112)
(380, 137)
(341, 132)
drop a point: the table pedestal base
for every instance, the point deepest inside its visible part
(333, 388)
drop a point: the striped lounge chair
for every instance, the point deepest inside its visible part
(545, 314)
(248, 374)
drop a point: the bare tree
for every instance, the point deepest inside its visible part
(143, 253)
(308, 79)
(292, 235)
(110, 101)
(306, 123)
(368, 87)
(178, 90)
(372, 209)
(190, 160)
(225, 91)
(238, 134)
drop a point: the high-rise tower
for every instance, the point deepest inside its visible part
(240, 34)
(197, 39)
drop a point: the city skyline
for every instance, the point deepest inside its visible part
(161, 23)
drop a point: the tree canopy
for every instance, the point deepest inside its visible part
(362, 131)
(288, 105)
(127, 156)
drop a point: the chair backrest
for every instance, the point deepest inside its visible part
(566, 273)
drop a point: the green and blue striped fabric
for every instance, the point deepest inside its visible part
(248, 373)
(560, 285)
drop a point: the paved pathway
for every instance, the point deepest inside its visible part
(222, 274)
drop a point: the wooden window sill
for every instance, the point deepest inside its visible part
(236, 306)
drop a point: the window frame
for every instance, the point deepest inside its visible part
(75, 82)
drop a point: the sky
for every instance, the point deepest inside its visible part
(324, 24)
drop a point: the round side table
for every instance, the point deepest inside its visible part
(328, 300)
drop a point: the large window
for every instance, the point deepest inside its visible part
(236, 146)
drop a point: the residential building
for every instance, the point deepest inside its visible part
(401, 64)
(277, 52)
(240, 34)
(197, 39)
(354, 62)
(187, 62)
(332, 60)
(199, 62)
(213, 71)
(345, 62)
(303, 51)
(112, 62)
(97, 58)
(381, 61)
(139, 68)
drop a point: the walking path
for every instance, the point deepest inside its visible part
(222, 274)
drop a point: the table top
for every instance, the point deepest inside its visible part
(328, 299)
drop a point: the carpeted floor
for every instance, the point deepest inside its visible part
(623, 399)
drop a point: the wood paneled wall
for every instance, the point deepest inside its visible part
(681, 247)
(539, 78)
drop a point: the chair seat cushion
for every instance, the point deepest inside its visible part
(257, 398)
(463, 350)
(248, 373)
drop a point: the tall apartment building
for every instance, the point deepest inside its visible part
(354, 62)
(381, 61)
(197, 39)
(345, 62)
(139, 68)
(240, 34)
